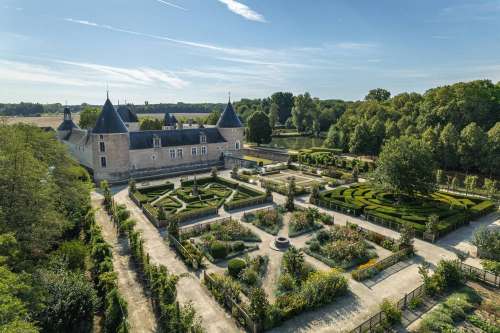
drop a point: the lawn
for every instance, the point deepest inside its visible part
(260, 161)
(363, 198)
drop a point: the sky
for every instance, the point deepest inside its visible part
(200, 50)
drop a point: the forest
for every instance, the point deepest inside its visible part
(460, 123)
(45, 255)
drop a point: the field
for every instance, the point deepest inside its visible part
(363, 198)
(55, 120)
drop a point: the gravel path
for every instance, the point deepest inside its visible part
(189, 287)
(140, 311)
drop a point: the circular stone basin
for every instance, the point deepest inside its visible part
(281, 242)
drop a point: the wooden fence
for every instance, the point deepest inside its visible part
(477, 273)
(235, 309)
(183, 251)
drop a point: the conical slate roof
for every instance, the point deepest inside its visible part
(229, 119)
(109, 121)
(67, 124)
(127, 115)
(169, 119)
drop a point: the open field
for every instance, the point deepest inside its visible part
(54, 120)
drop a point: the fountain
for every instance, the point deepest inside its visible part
(280, 243)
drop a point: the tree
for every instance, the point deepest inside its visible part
(284, 101)
(259, 305)
(150, 124)
(213, 172)
(162, 215)
(379, 95)
(432, 223)
(360, 141)
(448, 147)
(258, 128)
(470, 183)
(493, 160)
(314, 194)
(472, 146)
(213, 117)
(293, 262)
(405, 166)
(490, 186)
(273, 115)
(88, 117)
(487, 241)
(406, 234)
(455, 183)
(304, 111)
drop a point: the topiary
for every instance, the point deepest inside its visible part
(238, 246)
(235, 266)
(218, 250)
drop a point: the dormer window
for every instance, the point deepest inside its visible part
(156, 142)
(237, 145)
(203, 138)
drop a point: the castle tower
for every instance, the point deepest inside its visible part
(169, 121)
(110, 146)
(129, 117)
(231, 128)
(66, 126)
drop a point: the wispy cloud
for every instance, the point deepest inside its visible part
(354, 46)
(61, 72)
(206, 46)
(243, 10)
(171, 4)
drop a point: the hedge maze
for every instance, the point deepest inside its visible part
(383, 207)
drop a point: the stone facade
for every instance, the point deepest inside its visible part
(116, 150)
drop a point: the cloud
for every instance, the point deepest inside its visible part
(354, 46)
(61, 72)
(243, 10)
(171, 4)
(210, 47)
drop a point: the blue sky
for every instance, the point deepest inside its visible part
(198, 50)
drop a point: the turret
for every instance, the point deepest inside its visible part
(66, 126)
(169, 121)
(110, 146)
(129, 117)
(231, 128)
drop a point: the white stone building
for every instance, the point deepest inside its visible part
(116, 150)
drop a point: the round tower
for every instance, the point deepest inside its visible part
(110, 146)
(231, 129)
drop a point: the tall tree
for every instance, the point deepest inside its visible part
(361, 140)
(304, 112)
(88, 117)
(213, 117)
(258, 128)
(273, 115)
(472, 146)
(492, 163)
(405, 166)
(378, 94)
(448, 147)
(284, 100)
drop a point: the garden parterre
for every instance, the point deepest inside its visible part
(450, 208)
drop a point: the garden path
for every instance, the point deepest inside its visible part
(141, 316)
(189, 287)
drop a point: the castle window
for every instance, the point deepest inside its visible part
(172, 154)
(103, 161)
(203, 138)
(237, 145)
(156, 142)
(179, 152)
(204, 150)
(193, 151)
(102, 147)
(101, 137)
(153, 157)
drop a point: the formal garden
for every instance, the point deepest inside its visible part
(299, 288)
(437, 213)
(195, 198)
(270, 219)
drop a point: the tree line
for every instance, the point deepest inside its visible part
(47, 258)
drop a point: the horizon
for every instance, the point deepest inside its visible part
(195, 51)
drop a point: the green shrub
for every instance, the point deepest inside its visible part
(218, 250)
(483, 324)
(236, 266)
(391, 311)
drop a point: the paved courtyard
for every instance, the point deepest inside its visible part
(349, 311)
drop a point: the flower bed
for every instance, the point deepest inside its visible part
(303, 221)
(269, 220)
(340, 246)
(223, 240)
